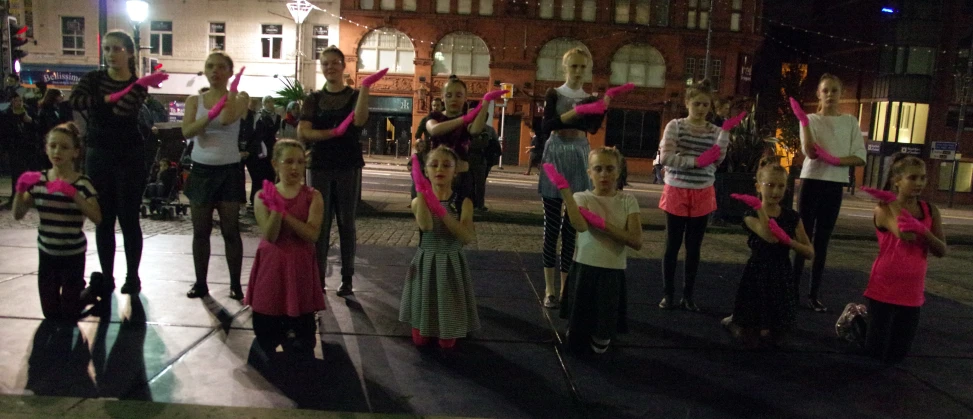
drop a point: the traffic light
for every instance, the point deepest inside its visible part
(16, 39)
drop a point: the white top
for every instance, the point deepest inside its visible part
(839, 135)
(218, 144)
(594, 247)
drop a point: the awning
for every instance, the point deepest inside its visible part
(54, 74)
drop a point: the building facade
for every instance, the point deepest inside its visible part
(656, 44)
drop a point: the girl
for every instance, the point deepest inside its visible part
(454, 129)
(607, 221)
(63, 198)
(765, 302)
(908, 229)
(283, 287)
(567, 149)
(437, 300)
(691, 150)
(110, 101)
(336, 159)
(832, 141)
(216, 180)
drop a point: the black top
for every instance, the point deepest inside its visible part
(265, 131)
(109, 125)
(552, 118)
(326, 110)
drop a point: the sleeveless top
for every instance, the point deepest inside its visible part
(218, 144)
(899, 272)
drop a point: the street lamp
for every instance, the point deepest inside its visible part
(299, 10)
(137, 10)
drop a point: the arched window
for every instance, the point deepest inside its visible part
(389, 48)
(639, 64)
(462, 54)
(549, 60)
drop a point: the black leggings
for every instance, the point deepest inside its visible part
(556, 222)
(341, 190)
(820, 202)
(891, 330)
(272, 331)
(693, 229)
(60, 280)
(119, 178)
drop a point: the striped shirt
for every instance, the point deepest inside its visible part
(59, 233)
(112, 125)
(681, 144)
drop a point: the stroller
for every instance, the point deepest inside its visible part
(166, 179)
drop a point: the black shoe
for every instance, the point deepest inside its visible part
(688, 305)
(102, 286)
(666, 304)
(236, 293)
(344, 290)
(817, 305)
(197, 291)
(132, 286)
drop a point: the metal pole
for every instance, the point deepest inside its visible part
(709, 37)
(503, 124)
(102, 29)
(138, 49)
(961, 122)
(297, 56)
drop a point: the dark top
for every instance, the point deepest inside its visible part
(245, 140)
(457, 139)
(265, 131)
(552, 115)
(326, 110)
(109, 125)
(14, 131)
(421, 132)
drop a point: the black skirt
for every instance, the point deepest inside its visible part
(209, 184)
(595, 303)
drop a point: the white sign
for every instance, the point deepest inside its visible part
(941, 150)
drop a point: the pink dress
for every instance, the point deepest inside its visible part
(899, 272)
(284, 280)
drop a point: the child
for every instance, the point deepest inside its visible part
(907, 230)
(765, 301)
(63, 198)
(284, 289)
(437, 300)
(691, 149)
(607, 220)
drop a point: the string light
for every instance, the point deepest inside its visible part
(835, 37)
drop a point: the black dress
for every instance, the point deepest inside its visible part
(765, 298)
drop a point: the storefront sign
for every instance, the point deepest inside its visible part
(746, 73)
(54, 74)
(914, 150)
(941, 150)
(873, 146)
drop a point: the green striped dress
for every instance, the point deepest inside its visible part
(438, 295)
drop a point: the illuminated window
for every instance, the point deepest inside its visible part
(698, 14)
(639, 64)
(906, 122)
(588, 10)
(735, 15)
(486, 7)
(546, 9)
(72, 35)
(462, 54)
(386, 48)
(567, 9)
(622, 9)
(549, 59)
(964, 176)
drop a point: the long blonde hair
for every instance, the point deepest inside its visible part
(832, 77)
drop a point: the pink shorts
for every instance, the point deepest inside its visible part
(686, 202)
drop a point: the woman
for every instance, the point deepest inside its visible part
(336, 159)
(212, 120)
(110, 100)
(264, 137)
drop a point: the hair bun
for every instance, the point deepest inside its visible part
(73, 128)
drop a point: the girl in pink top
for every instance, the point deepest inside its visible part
(907, 230)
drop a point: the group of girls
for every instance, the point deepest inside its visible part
(581, 198)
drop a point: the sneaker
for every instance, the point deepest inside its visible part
(817, 305)
(344, 290)
(550, 302)
(688, 305)
(666, 304)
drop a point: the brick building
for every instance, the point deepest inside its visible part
(656, 44)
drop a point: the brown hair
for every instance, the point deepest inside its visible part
(333, 50)
(770, 164)
(443, 149)
(611, 151)
(222, 54)
(69, 129)
(129, 45)
(901, 162)
(50, 98)
(453, 79)
(576, 50)
(702, 87)
(828, 76)
(282, 145)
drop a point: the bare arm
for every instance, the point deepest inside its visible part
(22, 203)
(936, 237)
(89, 207)
(571, 207)
(192, 127)
(630, 235)
(308, 230)
(801, 244)
(463, 228)
(236, 107)
(268, 221)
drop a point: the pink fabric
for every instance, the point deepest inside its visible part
(686, 202)
(899, 272)
(284, 279)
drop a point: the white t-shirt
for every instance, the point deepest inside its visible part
(839, 135)
(594, 247)
(219, 144)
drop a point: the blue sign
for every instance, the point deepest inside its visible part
(54, 74)
(944, 146)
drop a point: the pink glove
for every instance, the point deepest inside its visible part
(155, 80)
(799, 112)
(778, 232)
(909, 224)
(343, 126)
(884, 196)
(27, 181)
(157, 67)
(750, 200)
(217, 108)
(58, 185)
(556, 178)
(615, 91)
(825, 156)
(272, 198)
(732, 122)
(471, 115)
(370, 80)
(709, 156)
(115, 97)
(593, 219)
(494, 95)
(235, 84)
(422, 184)
(593, 108)
(435, 207)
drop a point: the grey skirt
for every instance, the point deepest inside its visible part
(570, 157)
(209, 184)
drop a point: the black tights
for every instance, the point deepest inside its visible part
(119, 178)
(202, 215)
(556, 222)
(891, 330)
(272, 331)
(676, 227)
(820, 202)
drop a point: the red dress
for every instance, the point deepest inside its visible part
(284, 279)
